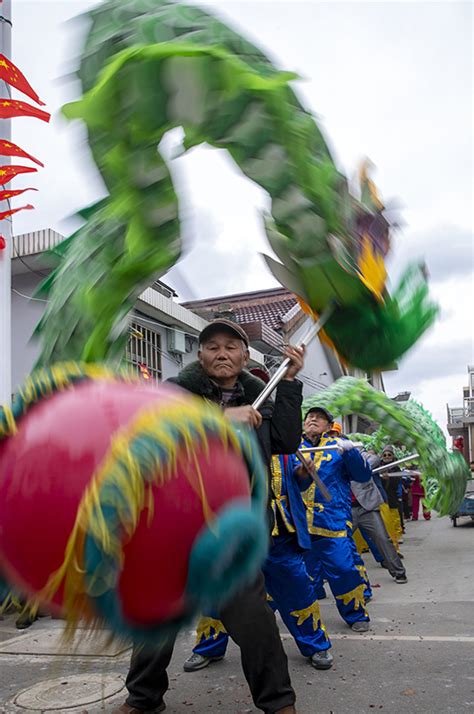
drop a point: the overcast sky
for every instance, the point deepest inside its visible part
(392, 81)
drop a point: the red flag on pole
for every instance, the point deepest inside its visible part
(6, 195)
(5, 214)
(8, 148)
(13, 76)
(7, 173)
(10, 108)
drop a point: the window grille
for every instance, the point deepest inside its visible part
(144, 348)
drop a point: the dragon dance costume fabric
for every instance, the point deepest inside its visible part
(290, 589)
(332, 551)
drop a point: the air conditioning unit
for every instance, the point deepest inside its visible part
(176, 341)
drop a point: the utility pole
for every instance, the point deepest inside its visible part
(5, 228)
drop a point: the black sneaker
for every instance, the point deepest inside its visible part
(322, 660)
(24, 620)
(197, 661)
(401, 579)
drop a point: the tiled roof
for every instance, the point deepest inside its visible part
(267, 306)
(271, 313)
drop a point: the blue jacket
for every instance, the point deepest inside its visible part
(289, 510)
(336, 471)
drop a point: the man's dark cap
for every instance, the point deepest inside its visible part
(322, 410)
(223, 325)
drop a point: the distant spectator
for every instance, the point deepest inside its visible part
(418, 493)
(392, 486)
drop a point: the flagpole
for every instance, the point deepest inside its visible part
(5, 229)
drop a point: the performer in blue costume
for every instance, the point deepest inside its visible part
(290, 589)
(332, 554)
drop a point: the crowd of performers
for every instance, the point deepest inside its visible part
(317, 512)
(314, 541)
(312, 532)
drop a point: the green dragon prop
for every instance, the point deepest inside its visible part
(444, 474)
(152, 65)
(419, 415)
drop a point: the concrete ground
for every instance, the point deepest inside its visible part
(418, 655)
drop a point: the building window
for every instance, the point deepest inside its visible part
(144, 351)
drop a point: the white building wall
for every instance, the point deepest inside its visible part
(25, 316)
(317, 373)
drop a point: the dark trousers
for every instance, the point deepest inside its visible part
(378, 557)
(372, 523)
(407, 505)
(400, 510)
(251, 623)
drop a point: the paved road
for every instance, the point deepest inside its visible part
(419, 654)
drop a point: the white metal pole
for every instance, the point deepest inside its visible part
(387, 467)
(281, 371)
(315, 449)
(5, 228)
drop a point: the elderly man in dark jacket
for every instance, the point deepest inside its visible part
(220, 377)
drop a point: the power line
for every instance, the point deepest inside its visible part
(28, 297)
(32, 270)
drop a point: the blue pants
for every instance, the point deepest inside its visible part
(333, 559)
(211, 637)
(321, 593)
(290, 591)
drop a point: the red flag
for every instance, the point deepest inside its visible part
(7, 173)
(8, 148)
(6, 195)
(13, 76)
(5, 214)
(12, 108)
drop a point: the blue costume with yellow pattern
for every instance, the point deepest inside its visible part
(289, 587)
(331, 555)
